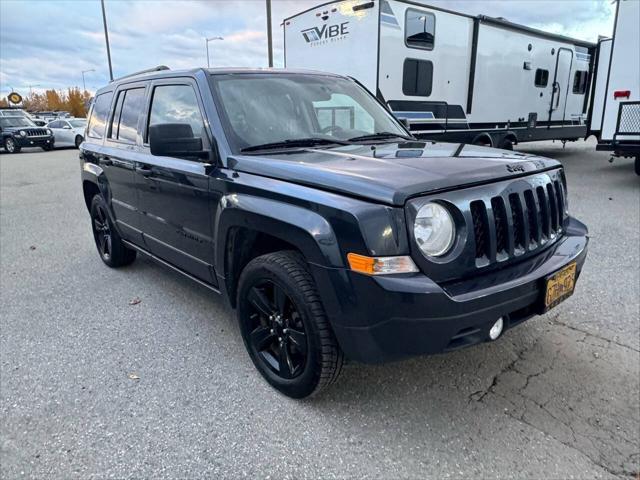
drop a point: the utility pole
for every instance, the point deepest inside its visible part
(269, 39)
(206, 41)
(106, 37)
(84, 88)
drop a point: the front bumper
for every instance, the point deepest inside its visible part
(384, 318)
(26, 142)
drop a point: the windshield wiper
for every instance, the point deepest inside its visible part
(296, 142)
(380, 136)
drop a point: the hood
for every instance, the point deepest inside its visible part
(392, 173)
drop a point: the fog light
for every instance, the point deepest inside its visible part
(496, 330)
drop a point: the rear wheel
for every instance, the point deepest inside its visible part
(10, 145)
(284, 327)
(637, 164)
(112, 250)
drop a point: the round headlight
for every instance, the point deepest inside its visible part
(434, 229)
(48, 132)
(23, 133)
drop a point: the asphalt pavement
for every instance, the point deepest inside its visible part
(94, 384)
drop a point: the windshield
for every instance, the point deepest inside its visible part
(263, 109)
(16, 122)
(80, 123)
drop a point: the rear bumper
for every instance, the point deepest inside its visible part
(378, 319)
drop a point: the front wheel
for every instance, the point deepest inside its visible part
(47, 148)
(637, 164)
(78, 140)
(10, 146)
(284, 327)
(112, 250)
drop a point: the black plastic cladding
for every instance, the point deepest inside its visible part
(506, 222)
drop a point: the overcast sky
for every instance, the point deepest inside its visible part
(49, 42)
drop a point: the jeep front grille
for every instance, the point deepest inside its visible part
(516, 222)
(36, 132)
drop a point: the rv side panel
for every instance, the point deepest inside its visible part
(520, 74)
(436, 60)
(336, 38)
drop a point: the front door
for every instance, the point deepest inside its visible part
(174, 199)
(561, 85)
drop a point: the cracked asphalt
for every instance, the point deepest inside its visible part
(93, 387)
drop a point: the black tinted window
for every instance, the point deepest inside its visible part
(131, 109)
(176, 104)
(99, 114)
(580, 82)
(417, 77)
(542, 77)
(419, 29)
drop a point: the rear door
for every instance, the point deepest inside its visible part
(175, 202)
(122, 147)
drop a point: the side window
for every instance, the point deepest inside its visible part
(56, 124)
(176, 104)
(580, 82)
(343, 112)
(417, 77)
(125, 128)
(542, 77)
(99, 113)
(419, 29)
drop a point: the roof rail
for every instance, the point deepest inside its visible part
(159, 68)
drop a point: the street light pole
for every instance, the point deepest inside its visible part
(106, 37)
(84, 88)
(269, 40)
(206, 41)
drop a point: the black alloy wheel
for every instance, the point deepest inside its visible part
(284, 326)
(278, 336)
(102, 233)
(113, 252)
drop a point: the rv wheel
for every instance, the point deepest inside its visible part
(506, 144)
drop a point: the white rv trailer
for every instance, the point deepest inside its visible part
(614, 114)
(451, 76)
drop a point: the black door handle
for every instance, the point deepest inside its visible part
(144, 171)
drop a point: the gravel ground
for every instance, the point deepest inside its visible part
(93, 387)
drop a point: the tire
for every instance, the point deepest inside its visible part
(47, 148)
(277, 297)
(506, 144)
(78, 140)
(108, 242)
(10, 146)
(637, 164)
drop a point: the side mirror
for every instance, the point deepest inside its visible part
(174, 140)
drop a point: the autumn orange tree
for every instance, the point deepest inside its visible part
(73, 101)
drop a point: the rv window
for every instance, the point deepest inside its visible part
(417, 77)
(580, 82)
(542, 77)
(419, 29)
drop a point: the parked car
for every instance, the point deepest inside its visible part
(18, 132)
(300, 199)
(18, 112)
(68, 132)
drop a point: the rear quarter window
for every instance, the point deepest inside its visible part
(99, 114)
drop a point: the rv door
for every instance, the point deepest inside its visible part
(561, 84)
